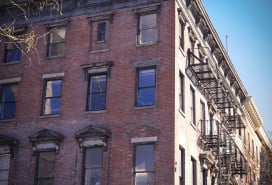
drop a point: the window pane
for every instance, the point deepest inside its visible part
(144, 158)
(148, 21)
(13, 55)
(98, 83)
(146, 96)
(57, 49)
(46, 164)
(52, 106)
(101, 32)
(94, 157)
(144, 179)
(8, 104)
(58, 34)
(93, 176)
(97, 101)
(53, 88)
(147, 78)
(149, 35)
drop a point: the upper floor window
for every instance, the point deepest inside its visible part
(147, 29)
(52, 96)
(181, 92)
(13, 52)
(97, 92)
(181, 166)
(194, 172)
(192, 105)
(146, 87)
(4, 168)
(101, 32)
(93, 165)
(181, 33)
(56, 41)
(8, 101)
(144, 164)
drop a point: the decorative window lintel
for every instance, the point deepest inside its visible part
(46, 140)
(101, 17)
(59, 23)
(147, 63)
(7, 144)
(141, 10)
(94, 68)
(10, 80)
(91, 136)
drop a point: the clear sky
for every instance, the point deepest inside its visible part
(248, 24)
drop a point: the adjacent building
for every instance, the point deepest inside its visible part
(118, 92)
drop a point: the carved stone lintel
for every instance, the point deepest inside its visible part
(105, 16)
(99, 67)
(154, 8)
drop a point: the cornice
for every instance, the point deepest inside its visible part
(250, 107)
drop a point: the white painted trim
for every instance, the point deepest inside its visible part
(89, 143)
(144, 139)
(98, 70)
(53, 75)
(10, 80)
(44, 146)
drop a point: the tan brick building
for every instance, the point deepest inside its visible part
(124, 92)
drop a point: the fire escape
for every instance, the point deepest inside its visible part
(216, 136)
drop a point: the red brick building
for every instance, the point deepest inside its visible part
(109, 96)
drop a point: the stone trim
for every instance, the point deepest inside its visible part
(137, 140)
(53, 75)
(58, 23)
(148, 9)
(94, 68)
(10, 80)
(147, 63)
(105, 16)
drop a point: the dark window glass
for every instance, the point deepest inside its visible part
(194, 175)
(192, 105)
(192, 49)
(51, 104)
(181, 33)
(182, 167)
(56, 43)
(101, 31)
(8, 101)
(4, 168)
(181, 93)
(46, 168)
(144, 164)
(204, 176)
(148, 28)
(146, 90)
(93, 166)
(13, 53)
(97, 92)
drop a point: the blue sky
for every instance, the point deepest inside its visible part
(248, 24)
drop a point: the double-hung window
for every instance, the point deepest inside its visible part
(181, 166)
(192, 105)
(147, 29)
(45, 168)
(93, 166)
(4, 168)
(181, 92)
(144, 164)
(52, 97)
(101, 32)
(97, 92)
(8, 101)
(194, 172)
(181, 33)
(146, 87)
(56, 41)
(13, 52)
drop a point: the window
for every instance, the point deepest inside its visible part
(194, 176)
(192, 49)
(56, 42)
(13, 52)
(101, 32)
(52, 95)
(181, 166)
(97, 92)
(181, 34)
(93, 166)
(203, 118)
(144, 164)
(192, 105)
(146, 87)
(4, 168)
(45, 168)
(181, 92)
(147, 29)
(204, 176)
(8, 101)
